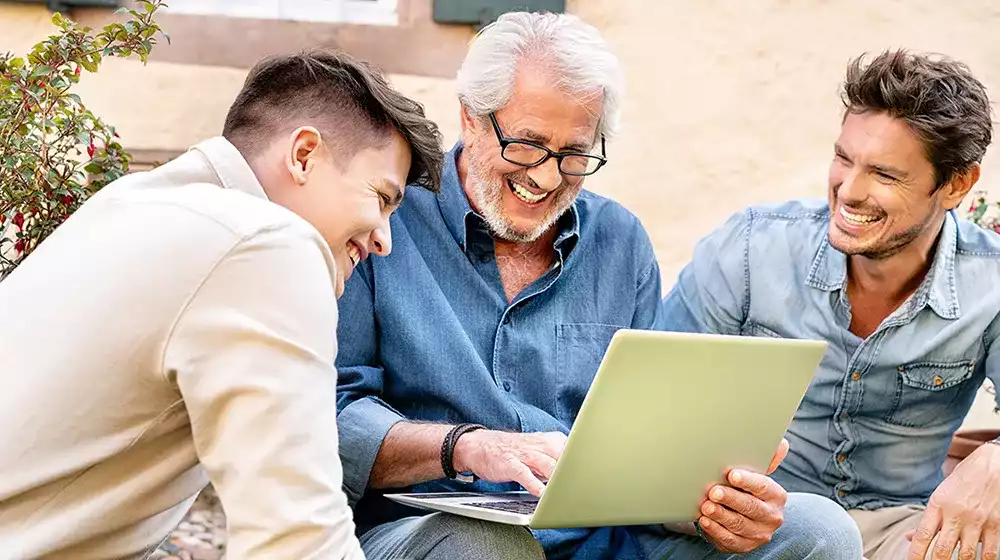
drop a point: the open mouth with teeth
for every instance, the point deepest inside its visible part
(856, 219)
(524, 194)
(354, 253)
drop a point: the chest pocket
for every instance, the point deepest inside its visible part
(931, 393)
(580, 347)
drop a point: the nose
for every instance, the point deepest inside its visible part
(852, 187)
(547, 175)
(381, 240)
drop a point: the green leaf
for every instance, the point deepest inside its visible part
(15, 63)
(93, 167)
(150, 7)
(41, 71)
(121, 11)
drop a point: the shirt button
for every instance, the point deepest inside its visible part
(938, 381)
(856, 376)
(506, 386)
(841, 493)
(841, 458)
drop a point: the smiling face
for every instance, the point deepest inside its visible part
(521, 203)
(348, 202)
(882, 188)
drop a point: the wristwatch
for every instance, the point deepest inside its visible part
(448, 452)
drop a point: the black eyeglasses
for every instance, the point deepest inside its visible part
(530, 154)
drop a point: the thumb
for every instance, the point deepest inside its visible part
(779, 456)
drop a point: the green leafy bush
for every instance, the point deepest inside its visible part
(54, 152)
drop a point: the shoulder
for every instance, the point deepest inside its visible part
(976, 242)
(765, 232)
(608, 220)
(803, 219)
(201, 207)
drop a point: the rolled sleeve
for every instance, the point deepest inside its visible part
(993, 360)
(252, 357)
(363, 425)
(363, 419)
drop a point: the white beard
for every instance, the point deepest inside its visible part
(489, 196)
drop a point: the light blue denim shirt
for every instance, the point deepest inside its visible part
(427, 334)
(876, 423)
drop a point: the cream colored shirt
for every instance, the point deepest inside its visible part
(178, 329)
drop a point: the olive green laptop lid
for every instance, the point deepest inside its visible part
(665, 416)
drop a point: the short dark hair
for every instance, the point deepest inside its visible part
(347, 99)
(938, 97)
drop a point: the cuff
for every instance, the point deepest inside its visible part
(361, 427)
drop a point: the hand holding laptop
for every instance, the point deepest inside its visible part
(493, 456)
(742, 517)
(633, 456)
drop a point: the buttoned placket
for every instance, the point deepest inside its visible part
(853, 381)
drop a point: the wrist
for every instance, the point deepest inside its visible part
(455, 450)
(462, 451)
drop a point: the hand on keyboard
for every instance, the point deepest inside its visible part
(527, 459)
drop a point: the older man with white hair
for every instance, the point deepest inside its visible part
(470, 348)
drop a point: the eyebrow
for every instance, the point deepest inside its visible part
(397, 199)
(881, 168)
(898, 173)
(544, 139)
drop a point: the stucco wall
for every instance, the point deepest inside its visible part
(729, 102)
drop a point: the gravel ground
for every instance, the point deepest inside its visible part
(202, 534)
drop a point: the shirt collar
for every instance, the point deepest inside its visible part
(456, 210)
(230, 166)
(938, 290)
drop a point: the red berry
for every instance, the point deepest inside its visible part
(19, 246)
(18, 219)
(91, 149)
(67, 199)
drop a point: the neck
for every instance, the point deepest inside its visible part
(895, 277)
(539, 248)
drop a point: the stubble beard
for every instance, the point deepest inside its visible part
(489, 197)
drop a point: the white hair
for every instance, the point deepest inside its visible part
(582, 63)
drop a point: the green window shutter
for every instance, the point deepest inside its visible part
(482, 12)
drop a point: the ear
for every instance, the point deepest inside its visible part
(306, 145)
(955, 190)
(470, 124)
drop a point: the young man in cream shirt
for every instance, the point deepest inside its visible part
(179, 329)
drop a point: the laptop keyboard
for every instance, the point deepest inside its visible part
(522, 507)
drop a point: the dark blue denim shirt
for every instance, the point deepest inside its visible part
(874, 427)
(427, 334)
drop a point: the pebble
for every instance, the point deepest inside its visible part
(201, 535)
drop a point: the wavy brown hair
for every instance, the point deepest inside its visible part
(936, 96)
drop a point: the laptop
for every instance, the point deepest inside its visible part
(665, 416)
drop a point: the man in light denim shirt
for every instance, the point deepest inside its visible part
(495, 308)
(904, 292)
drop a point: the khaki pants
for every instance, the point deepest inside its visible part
(883, 531)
